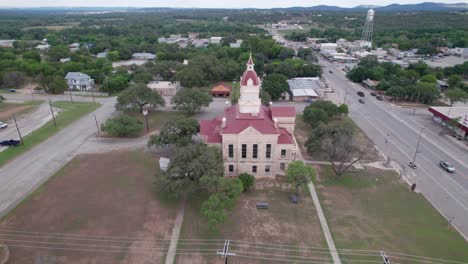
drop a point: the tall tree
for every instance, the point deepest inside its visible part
(191, 100)
(275, 85)
(176, 132)
(137, 97)
(456, 95)
(337, 143)
(13, 79)
(188, 165)
(299, 174)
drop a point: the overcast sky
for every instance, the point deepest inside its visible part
(207, 3)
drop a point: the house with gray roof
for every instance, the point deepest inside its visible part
(79, 81)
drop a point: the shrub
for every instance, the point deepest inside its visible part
(247, 180)
(122, 126)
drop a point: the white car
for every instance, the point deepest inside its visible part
(3, 125)
(329, 90)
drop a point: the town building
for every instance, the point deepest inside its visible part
(43, 47)
(221, 90)
(79, 81)
(143, 56)
(442, 85)
(254, 138)
(102, 55)
(371, 84)
(216, 40)
(63, 60)
(304, 89)
(331, 47)
(165, 88)
(193, 35)
(237, 44)
(74, 47)
(6, 43)
(443, 115)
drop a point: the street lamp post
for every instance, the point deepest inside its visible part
(346, 94)
(145, 113)
(413, 164)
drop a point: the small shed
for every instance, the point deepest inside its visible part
(221, 90)
(163, 163)
(371, 84)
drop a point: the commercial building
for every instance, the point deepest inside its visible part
(254, 138)
(143, 56)
(443, 115)
(165, 88)
(304, 89)
(221, 90)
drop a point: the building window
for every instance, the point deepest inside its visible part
(282, 166)
(231, 168)
(283, 153)
(244, 151)
(267, 168)
(255, 151)
(231, 150)
(254, 169)
(268, 151)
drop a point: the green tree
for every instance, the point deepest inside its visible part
(315, 116)
(265, 97)
(247, 180)
(13, 79)
(299, 174)
(57, 85)
(454, 80)
(122, 126)
(191, 77)
(343, 110)
(187, 166)
(191, 100)
(176, 132)
(429, 78)
(456, 95)
(113, 55)
(32, 55)
(275, 85)
(427, 92)
(137, 97)
(214, 211)
(115, 83)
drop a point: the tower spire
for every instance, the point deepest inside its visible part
(250, 63)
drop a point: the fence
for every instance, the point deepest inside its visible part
(86, 93)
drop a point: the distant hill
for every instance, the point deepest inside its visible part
(426, 6)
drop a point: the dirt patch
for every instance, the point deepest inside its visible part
(260, 233)
(7, 110)
(106, 206)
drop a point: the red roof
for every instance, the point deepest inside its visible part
(237, 122)
(283, 111)
(250, 74)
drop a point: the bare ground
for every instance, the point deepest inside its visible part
(109, 195)
(283, 223)
(8, 110)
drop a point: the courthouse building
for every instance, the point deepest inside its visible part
(254, 138)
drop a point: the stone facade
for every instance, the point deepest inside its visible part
(255, 139)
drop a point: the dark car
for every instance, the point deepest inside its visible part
(373, 94)
(361, 94)
(330, 71)
(10, 143)
(362, 101)
(380, 98)
(293, 198)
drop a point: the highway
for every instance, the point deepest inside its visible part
(400, 128)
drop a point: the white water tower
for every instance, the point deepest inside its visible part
(366, 36)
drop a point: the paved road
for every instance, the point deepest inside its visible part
(24, 174)
(27, 123)
(382, 122)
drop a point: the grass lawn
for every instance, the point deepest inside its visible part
(286, 224)
(302, 131)
(70, 113)
(105, 204)
(8, 109)
(374, 210)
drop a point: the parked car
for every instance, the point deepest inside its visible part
(379, 97)
(361, 94)
(3, 125)
(373, 94)
(329, 90)
(330, 71)
(10, 143)
(293, 198)
(362, 101)
(447, 166)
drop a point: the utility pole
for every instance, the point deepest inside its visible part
(52, 112)
(92, 94)
(412, 164)
(225, 252)
(71, 97)
(385, 259)
(346, 94)
(97, 125)
(387, 140)
(17, 128)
